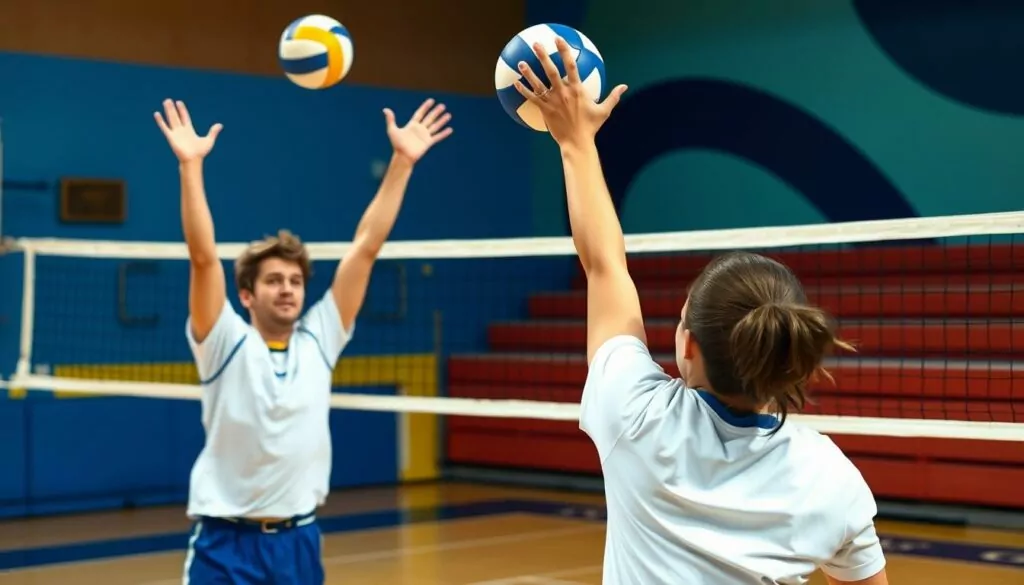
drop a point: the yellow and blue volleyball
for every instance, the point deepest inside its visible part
(588, 61)
(315, 52)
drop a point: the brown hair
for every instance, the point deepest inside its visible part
(760, 339)
(285, 246)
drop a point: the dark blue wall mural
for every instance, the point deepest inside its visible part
(751, 114)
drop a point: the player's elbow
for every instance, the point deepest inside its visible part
(603, 265)
(366, 247)
(203, 261)
(600, 253)
(202, 256)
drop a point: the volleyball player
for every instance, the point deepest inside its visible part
(704, 483)
(266, 462)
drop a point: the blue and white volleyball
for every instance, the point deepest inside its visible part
(315, 52)
(520, 48)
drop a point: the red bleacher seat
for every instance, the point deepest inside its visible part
(935, 337)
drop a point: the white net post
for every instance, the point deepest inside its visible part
(28, 311)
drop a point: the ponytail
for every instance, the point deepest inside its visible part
(777, 349)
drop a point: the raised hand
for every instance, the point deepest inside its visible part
(426, 128)
(177, 128)
(571, 116)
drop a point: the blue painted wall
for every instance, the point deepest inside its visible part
(287, 158)
(767, 113)
(739, 114)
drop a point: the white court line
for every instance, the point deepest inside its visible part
(431, 548)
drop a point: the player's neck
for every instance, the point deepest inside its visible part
(271, 333)
(274, 337)
(734, 406)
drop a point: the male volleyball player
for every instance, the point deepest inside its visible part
(704, 484)
(265, 466)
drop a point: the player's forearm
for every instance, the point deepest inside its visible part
(379, 218)
(196, 220)
(596, 231)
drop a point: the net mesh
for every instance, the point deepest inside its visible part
(496, 328)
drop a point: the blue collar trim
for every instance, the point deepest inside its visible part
(763, 421)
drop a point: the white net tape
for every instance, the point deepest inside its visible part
(989, 224)
(870, 426)
(993, 224)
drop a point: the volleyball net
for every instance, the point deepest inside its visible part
(496, 328)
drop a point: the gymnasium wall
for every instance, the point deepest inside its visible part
(770, 113)
(78, 86)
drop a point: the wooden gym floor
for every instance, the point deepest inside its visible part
(451, 534)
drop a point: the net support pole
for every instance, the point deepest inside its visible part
(28, 311)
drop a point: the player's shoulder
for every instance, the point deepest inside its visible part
(812, 449)
(826, 472)
(623, 353)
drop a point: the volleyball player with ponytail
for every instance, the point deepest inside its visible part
(704, 482)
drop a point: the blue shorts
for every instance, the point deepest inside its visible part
(246, 553)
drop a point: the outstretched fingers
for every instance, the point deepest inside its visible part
(161, 124)
(613, 98)
(433, 115)
(186, 119)
(572, 71)
(438, 124)
(439, 136)
(171, 113)
(389, 118)
(526, 93)
(421, 111)
(535, 83)
(554, 79)
(214, 131)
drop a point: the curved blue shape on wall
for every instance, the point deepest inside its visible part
(711, 114)
(969, 52)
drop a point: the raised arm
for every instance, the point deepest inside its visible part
(207, 288)
(573, 119)
(426, 128)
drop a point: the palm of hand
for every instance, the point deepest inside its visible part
(186, 144)
(576, 112)
(412, 140)
(181, 135)
(426, 128)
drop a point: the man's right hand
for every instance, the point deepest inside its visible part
(177, 128)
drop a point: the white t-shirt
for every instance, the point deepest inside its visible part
(265, 412)
(696, 494)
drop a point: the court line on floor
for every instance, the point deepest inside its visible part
(81, 551)
(24, 559)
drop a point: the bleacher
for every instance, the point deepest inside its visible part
(936, 336)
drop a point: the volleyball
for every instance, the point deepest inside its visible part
(520, 48)
(315, 52)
